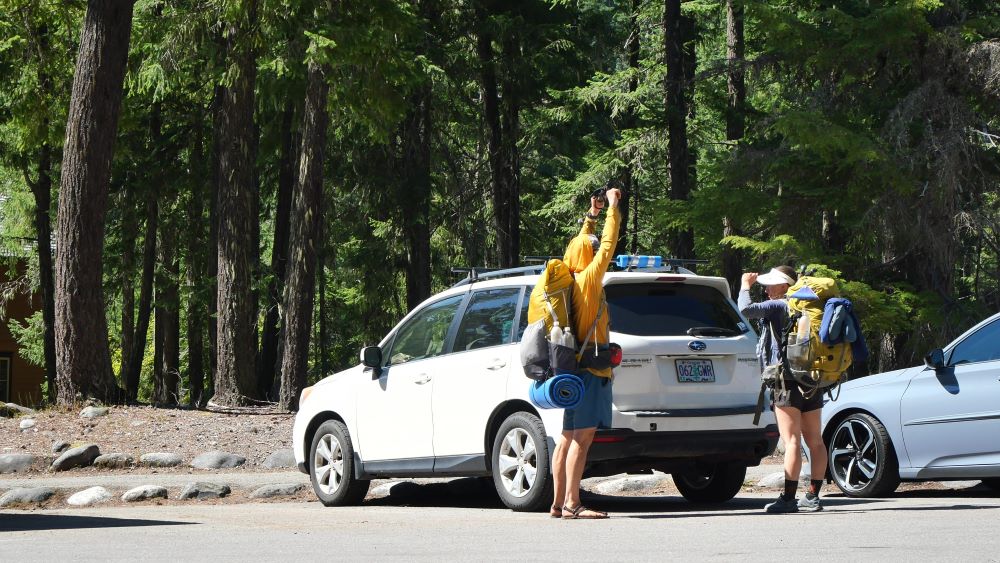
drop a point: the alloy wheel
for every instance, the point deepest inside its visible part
(854, 454)
(328, 463)
(517, 462)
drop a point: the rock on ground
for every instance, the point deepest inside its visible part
(10, 463)
(284, 490)
(81, 456)
(10, 410)
(217, 460)
(26, 423)
(144, 492)
(632, 483)
(160, 459)
(114, 461)
(280, 459)
(203, 490)
(59, 446)
(87, 497)
(26, 496)
(93, 412)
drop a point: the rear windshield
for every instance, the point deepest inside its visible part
(671, 309)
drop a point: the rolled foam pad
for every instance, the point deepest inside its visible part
(562, 391)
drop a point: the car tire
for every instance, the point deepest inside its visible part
(711, 483)
(521, 463)
(331, 466)
(862, 460)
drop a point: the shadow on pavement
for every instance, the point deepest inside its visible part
(32, 522)
(676, 506)
(469, 492)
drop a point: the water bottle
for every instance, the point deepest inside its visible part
(556, 335)
(568, 340)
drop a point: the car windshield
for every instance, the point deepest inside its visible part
(671, 309)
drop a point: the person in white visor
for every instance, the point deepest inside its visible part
(798, 417)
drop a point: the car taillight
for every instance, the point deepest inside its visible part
(608, 439)
(305, 395)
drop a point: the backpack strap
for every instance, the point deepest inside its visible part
(593, 327)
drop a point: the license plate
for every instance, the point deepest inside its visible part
(695, 371)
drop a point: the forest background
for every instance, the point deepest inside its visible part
(226, 199)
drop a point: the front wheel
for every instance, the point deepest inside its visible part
(711, 482)
(331, 466)
(862, 459)
(522, 472)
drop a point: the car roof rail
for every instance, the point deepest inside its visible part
(474, 274)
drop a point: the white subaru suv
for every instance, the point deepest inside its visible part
(444, 394)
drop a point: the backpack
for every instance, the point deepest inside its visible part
(548, 346)
(821, 340)
(814, 356)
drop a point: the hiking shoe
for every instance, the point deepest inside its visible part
(782, 506)
(807, 504)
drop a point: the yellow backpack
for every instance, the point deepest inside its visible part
(550, 303)
(813, 364)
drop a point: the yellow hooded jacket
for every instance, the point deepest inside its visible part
(588, 287)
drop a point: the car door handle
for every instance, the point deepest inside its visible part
(422, 378)
(497, 364)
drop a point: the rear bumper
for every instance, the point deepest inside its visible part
(625, 450)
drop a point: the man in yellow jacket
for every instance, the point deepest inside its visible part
(588, 257)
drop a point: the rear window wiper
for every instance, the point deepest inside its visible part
(711, 331)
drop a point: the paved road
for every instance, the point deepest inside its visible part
(425, 525)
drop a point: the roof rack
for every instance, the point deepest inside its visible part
(476, 274)
(668, 265)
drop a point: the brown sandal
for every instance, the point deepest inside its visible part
(582, 513)
(555, 511)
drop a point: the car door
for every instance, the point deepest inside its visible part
(474, 379)
(951, 416)
(394, 409)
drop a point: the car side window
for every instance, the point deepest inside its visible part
(978, 347)
(489, 319)
(424, 334)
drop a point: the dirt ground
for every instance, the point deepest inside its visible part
(137, 430)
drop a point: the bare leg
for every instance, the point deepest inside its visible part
(559, 472)
(790, 429)
(811, 433)
(576, 460)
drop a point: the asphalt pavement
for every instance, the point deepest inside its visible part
(916, 525)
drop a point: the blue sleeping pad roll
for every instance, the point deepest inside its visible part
(562, 391)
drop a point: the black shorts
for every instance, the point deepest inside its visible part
(791, 396)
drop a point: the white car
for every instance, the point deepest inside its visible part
(939, 421)
(444, 394)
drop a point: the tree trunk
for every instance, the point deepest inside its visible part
(416, 197)
(42, 191)
(682, 240)
(236, 318)
(195, 275)
(306, 223)
(502, 148)
(269, 361)
(630, 198)
(213, 237)
(510, 192)
(129, 233)
(166, 383)
(83, 359)
(732, 260)
(138, 348)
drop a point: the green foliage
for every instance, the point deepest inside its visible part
(31, 346)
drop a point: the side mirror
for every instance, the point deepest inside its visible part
(371, 357)
(935, 359)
